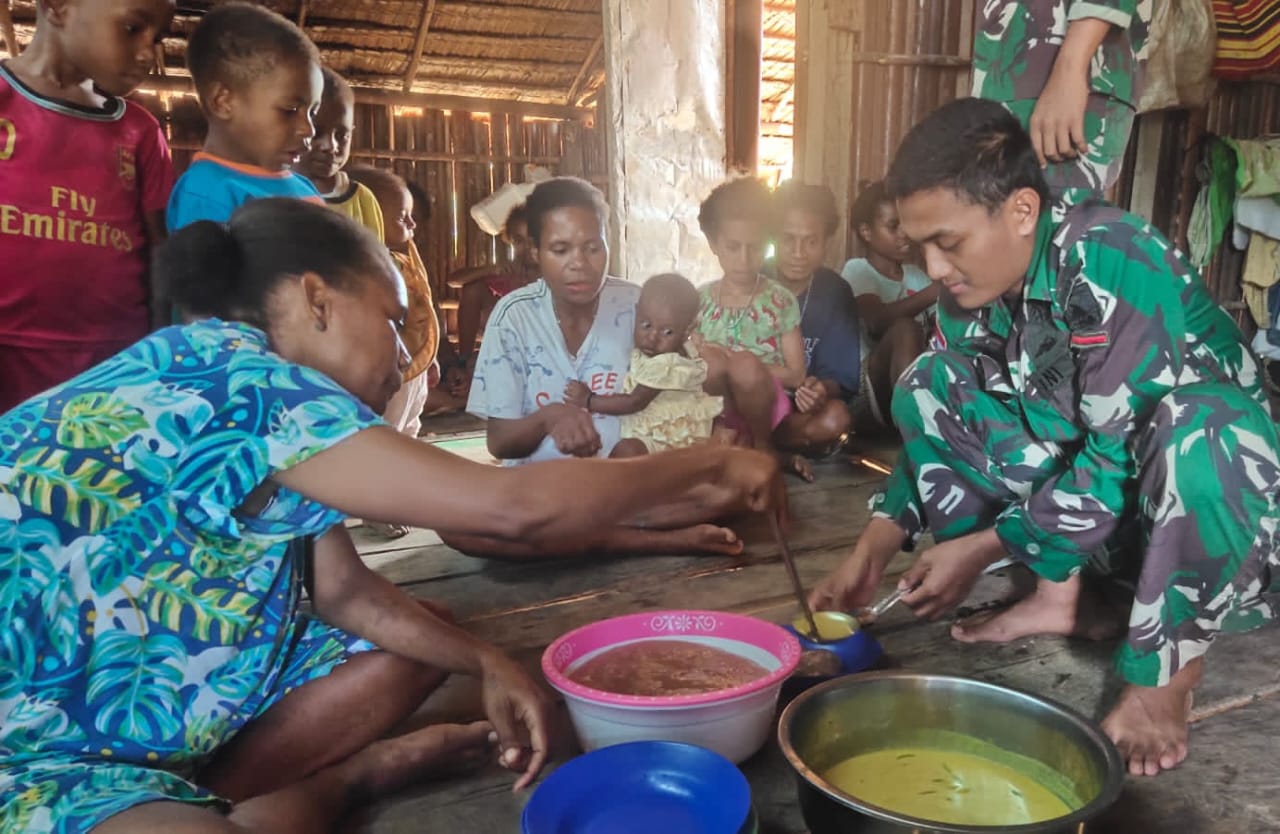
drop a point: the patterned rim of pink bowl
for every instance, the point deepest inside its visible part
(761, 634)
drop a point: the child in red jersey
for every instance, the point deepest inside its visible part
(84, 176)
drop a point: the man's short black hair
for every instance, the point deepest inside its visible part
(236, 43)
(974, 147)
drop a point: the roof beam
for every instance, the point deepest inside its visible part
(427, 101)
(419, 44)
(572, 98)
(304, 6)
(6, 28)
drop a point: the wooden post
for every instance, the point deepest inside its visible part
(304, 6)
(1146, 170)
(745, 45)
(664, 77)
(419, 44)
(6, 28)
(825, 44)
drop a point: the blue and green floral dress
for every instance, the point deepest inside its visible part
(144, 620)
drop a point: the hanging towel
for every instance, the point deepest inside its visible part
(1211, 213)
(1261, 273)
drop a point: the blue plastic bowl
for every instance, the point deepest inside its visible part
(641, 787)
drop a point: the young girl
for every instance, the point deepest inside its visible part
(895, 302)
(421, 331)
(744, 310)
(662, 403)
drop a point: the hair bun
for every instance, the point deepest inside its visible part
(198, 269)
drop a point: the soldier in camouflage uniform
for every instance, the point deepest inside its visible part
(1090, 408)
(1046, 53)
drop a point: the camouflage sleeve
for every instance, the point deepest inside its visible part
(956, 330)
(1116, 12)
(1132, 282)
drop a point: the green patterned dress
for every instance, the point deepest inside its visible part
(144, 618)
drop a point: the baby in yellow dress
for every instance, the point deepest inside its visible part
(662, 404)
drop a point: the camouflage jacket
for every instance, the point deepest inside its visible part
(1017, 43)
(1112, 317)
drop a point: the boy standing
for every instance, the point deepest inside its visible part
(258, 78)
(330, 151)
(84, 176)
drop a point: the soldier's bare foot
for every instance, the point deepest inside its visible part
(1061, 608)
(1149, 723)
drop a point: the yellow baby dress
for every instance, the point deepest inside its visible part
(681, 415)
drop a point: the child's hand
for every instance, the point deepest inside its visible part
(433, 375)
(810, 395)
(576, 393)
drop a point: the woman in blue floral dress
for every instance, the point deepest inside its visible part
(156, 672)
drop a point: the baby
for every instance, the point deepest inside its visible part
(663, 405)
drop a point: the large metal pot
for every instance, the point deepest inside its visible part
(847, 716)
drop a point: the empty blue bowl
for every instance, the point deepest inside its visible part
(641, 787)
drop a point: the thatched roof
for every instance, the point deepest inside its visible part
(544, 51)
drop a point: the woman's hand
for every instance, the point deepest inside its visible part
(854, 583)
(572, 429)
(520, 712)
(945, 573)
(576, 393)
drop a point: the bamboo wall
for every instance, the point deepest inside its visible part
(1239, 110)
(458, 158)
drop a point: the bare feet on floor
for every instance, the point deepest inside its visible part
(387, 531)
(1061, 608)
(1149, 723)
(433, 752)
(706, 538)
(797, 465)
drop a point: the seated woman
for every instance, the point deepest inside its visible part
(662, 404)
(1091, 411)
(895, 302)
(577, 324)
(157, 672)
(746, 312)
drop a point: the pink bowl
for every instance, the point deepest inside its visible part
(734, 721)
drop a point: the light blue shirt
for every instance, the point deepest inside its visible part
(865, 279)
(213, 188)
(524, 365)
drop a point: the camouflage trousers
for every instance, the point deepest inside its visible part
(1199, 529)
(1107, 124)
